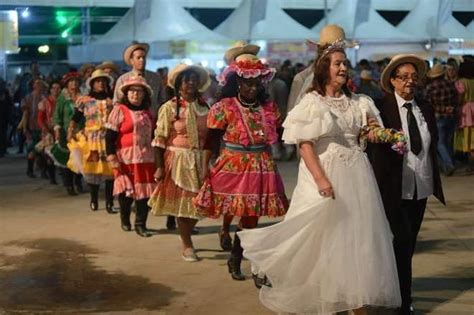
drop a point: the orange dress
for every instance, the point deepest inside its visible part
(244, 181)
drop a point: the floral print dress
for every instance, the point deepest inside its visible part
(243, 182)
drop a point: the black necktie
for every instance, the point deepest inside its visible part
(413, 131)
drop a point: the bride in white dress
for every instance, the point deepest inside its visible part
(333, 251)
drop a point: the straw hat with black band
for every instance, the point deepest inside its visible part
(109, 64)
(240, 48)
(127, 53)
(180, 68)
(396, 61)
(438, 70)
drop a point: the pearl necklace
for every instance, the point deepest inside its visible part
(250, 105)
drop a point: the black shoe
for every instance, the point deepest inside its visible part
(234, 270)
(80, 189)
(126, 228)
(94, 205)
(30, 174)
(171, 223)
(142, 231)
(109, 206)
(70, 191)
(260, 282)
(53, 181)
(225, 240)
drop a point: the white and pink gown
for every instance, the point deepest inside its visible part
(328, 255)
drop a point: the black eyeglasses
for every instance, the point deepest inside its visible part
(406, 77)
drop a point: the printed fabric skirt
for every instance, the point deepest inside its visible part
(244, 184)
(181, 183)
(88, 157)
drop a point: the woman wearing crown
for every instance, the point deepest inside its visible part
(333, 252)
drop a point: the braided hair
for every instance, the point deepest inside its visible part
(177, 85)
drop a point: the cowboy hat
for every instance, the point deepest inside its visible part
(127, 53)
(328, 35)
(437, 71)
(99, 73)
(85, 67)
(135, 80)
(180, 68)
(238, 49)
(397, 60)
(110, 65)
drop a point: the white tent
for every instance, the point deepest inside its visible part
(276, 24)
(375, 28)
(167, 22)
(422, 23)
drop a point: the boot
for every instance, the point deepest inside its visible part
(140, 218)
(94, 191)
(52, 174)
(125, 209)
(235, 259)
(41, 162)
(30, 168)
(78, 183)
(171, 223)
(109, 197)
(70, 191)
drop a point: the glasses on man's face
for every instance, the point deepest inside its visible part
(406, 77)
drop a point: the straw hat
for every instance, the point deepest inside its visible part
(99, 73)
(238, 49)
(394, 63)
(201, 72)
(437, 71)
(85, 67)
(136, 80)
(247, 66)
(328, 35)
(127, 54)
(110, 65)
(366, 75)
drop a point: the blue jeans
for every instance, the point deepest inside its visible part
(446, 127)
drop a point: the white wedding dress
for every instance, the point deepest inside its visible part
(328, 255)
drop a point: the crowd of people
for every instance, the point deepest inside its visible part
(190, 144)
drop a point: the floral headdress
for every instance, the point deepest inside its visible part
(248, 67)
(339, 44)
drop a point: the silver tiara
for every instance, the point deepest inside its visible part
(337, 45)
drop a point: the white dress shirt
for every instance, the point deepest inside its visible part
(417, 169)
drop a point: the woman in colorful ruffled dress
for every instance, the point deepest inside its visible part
(62, 117)
(87, 147)
(45, 123)
(244, 180)
(333, 251)
(129, 152)
(181, 155)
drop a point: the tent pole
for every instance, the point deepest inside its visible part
(325, 12)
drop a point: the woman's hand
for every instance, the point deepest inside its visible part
(159, 174)
(325, 188)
